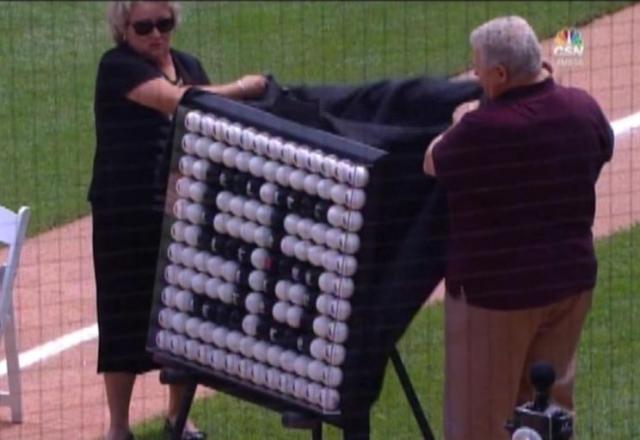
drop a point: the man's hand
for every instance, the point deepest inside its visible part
(427, 165)
(463, 109)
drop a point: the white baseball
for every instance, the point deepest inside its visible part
(301, 364)
(250, 210)
(324, 187)
(300, 388)
(263, 215)
(242, 161)
(192, 121)
(215, 151)
(201, 148)
(321, 326)
(335, 215)
(254, 303)
(355, 199)
(337, 332)
(229, 156)
(330, 399)
(257, 279)
(211, 287)
(263, 237)
(189, 143)
(316, 158)
(207, 124)
(260, 351)
(274, 148)
(260, 142)
(296, 180)
(335, 354)
(273, 355)
(219, 337)
(287, 360)
(256, 166)
(326, 282)
(165, 318)
(315, 370)
(248, 231)
(301, 157)
(267, 193)
(280, 311)
(168, 296)
(248, 138)
(246, 346)
(282, 290)
(236, 205)
(269, 170)
(317, 348)
(259, 375)
(318, 233)
(310, 184)
(185, 165)
(171, 272)
(301, 249)
(182, 186)
(200, 169)
(233, 227)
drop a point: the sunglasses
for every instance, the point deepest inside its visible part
(145, 27)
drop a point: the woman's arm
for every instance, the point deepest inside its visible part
(163, 96)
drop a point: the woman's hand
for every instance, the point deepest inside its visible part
(252, 86)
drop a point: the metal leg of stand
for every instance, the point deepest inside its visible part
(358, 429)
(409, 391)
(316, 433)
(296, 420)
(185, 407)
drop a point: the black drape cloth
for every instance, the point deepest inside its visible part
(400, 117)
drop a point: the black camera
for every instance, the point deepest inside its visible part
(540, 419)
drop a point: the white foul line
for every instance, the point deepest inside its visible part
(70, 340)
(53, 348)
(625, 124)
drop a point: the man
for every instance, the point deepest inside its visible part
(520, 174)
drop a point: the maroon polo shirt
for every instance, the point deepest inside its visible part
(520, 174)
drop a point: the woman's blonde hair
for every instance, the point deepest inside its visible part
(118, 17)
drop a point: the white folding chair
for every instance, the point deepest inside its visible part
(13, 228)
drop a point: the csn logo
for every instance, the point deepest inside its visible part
(568, 43)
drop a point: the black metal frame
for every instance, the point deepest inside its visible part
(296, 414)
(292, 416)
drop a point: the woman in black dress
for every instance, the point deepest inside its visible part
(139, 84)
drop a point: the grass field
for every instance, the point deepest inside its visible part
(608, 386)
(50, 51)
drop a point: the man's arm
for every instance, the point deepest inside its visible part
(428, 166)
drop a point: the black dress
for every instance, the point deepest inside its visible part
(127, 191)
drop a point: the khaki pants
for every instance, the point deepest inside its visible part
(487, 358)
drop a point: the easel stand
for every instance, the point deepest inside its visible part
(356, 430)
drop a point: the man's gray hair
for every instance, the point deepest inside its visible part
(118, 17)
(510, 42)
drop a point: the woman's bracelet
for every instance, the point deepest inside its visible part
(241, 85)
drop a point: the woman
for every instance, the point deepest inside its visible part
(138, 87)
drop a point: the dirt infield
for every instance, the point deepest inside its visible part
(63, 395)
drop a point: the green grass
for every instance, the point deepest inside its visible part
(608, 383)
(50, 50)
